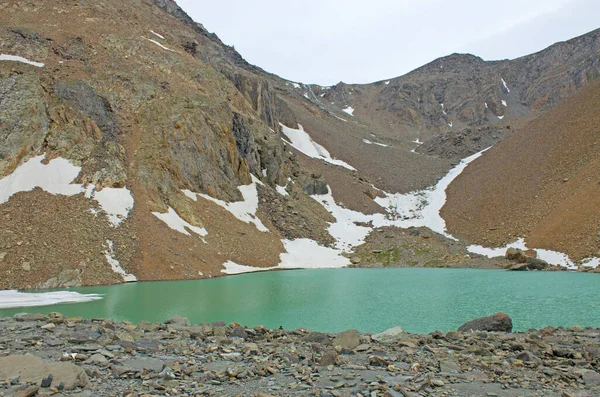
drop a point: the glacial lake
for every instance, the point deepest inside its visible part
(370, 300)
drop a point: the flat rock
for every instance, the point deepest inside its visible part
(347, 339)
(389, 335)
(139, 364)
(32, 369)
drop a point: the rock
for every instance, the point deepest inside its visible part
(239, 332)
(32, 369)
(536, 264)
(449, 366)
(178, 321)
(29, 317)
(519, 267)
(591, 379)
(140, 364)
(65, 279)
(347, 339)
(47, 382)
(528, 357)
(389, 335)
(48, 327)
(26, 266)
(329, 357)
(316, 337)
(515, 254)
(98, 359)
(498, 322)
(378, 361)
(355, 260)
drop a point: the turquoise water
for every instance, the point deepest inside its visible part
(370, 300)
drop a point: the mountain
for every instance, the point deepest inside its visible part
(134, 144)
(542, 183)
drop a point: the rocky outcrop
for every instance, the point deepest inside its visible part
(498, 322)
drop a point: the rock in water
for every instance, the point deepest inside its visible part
(498, 322)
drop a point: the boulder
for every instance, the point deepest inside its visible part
(498, 322)
(32, 369)
(519, 267)
(515, 254)
(536, 264)
(347, 339)
(389, 335)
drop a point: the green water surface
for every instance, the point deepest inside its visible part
(370, 300)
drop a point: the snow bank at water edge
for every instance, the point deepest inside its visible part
(244, 210)
(12, 298)
(56, 177)
(302, 142)
(16, 58)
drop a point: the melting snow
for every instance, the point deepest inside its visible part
(281, 190)
(504, 103)
(591, 262)
(116, 265)
(15, 58)
(301, 141)
(175, 222)
(158, 44)
(156, 34)
(552, 257)
(13, 298)
(190, 194)
(296, 85)
(306, 95)
(244, 210)
(56, 177)
(115, 202)
(505, 86)
(349, 110)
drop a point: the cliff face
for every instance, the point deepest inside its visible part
(127, 130)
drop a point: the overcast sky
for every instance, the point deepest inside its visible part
(358, 41)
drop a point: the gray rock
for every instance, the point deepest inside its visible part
(347, 339)
(449, 366)
(498, 322)
(32, 369)
(329, 357)
(239, 332)
(139, 364)
(29, 317)
(178, 321)
(98, 359)
(389, 335)
(591, 379)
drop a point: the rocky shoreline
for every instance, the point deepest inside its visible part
(100, 357)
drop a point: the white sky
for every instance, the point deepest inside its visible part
(358, 41)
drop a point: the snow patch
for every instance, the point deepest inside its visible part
(175, 222)
(501, 117)
(16, 58)
(387, 82)
(417, 141)
(157, 35)
(306, 95)
(450, 124)
(349, 110)
(158, 44)
(190, 194)
(281, 190)
(115, 264)
(308, 254)
(244, 210)
(340, 118)
(504, 103)
(116, 202)
(486, 105)
(301, 141)
(591, 262)
(13, 298)
(296, 85)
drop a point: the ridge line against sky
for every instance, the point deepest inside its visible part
(327, 41)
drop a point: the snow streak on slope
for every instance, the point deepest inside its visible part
(175, 222)
(15, 58)
(109, 254)
(244, 210)
(12, 298)
(302, 142)
(56, 177)
(349, 110)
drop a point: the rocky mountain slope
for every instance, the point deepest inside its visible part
(542, 183)
(134, 144)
